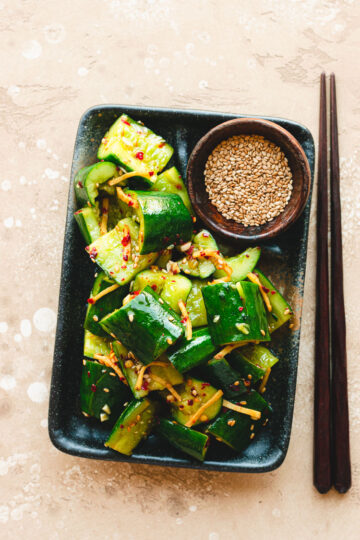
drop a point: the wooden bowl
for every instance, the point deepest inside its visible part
(298, 164)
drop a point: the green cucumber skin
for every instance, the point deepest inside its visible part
(86, 179)
(278, 304)
(204, 269)
(95, 378)
(171, 181)
(107, 251)
(164, 220)
(189, 354)
(96, 345)
(182, 411)
(241, 264)
(223, 376)
(156, 152)
(148, 334)
(104, 305)
(195, 304)
(89, 223)
(192, 442)
(238, 435)
(252, 360)
(224, 299)
(125, 441)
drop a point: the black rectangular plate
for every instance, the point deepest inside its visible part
(284, 258)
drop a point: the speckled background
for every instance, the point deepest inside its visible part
(58, 59)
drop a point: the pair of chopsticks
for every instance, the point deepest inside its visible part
(331, 429)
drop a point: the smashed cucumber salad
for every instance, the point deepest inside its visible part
(176, 335)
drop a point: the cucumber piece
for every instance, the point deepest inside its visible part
(195, 304)
(202, 268)
(171, 181)
(281, 310)
(222, 375)
(164, 257)
(95, 345)
(145, 326)
(154, 278)
(241, 264)
(115, 213)
(176, 288)
(171, 288)
(102, 394)
(239, 435)
(135, 147)
(108, 252)
(88, 179)
(88, 220)
(167, 373)
(185, 439)
(235, 313)
(252, 360)
(106, 304)
(194, 393)
(164, 220)
(133, 425)
(188, 354)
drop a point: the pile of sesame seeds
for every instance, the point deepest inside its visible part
(248, 179)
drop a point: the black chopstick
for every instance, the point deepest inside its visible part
(340, 407)
(322, 406)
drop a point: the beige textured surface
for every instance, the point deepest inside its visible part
(57, 59)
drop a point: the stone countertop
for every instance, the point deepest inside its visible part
(58, 59)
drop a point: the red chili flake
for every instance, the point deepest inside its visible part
(205, 234)
(123, 266)
(126, 240)
(123, 279)
(93, 387)
(151, 173)
(178, 186)
(161, 144)
(93, 253)
(145, 385)
(125, 122)
(88, 373)
(190, 402)
(194, 219)
(121, 426)
(241, 308)
(135, 293)
(90, 301)
(130, 203)
(273, 292)
(204, 384)
(190, 250)
(173, 281)
(126, 257)
(102, 160)
(105, 211)
(112, 273)
(118, 168)
(139, 155)
(265, 289)
(204, 395)
(80, 184)
(154, 287)
(247, 256)
(181, 406)
(163, 277)
(78, 212)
